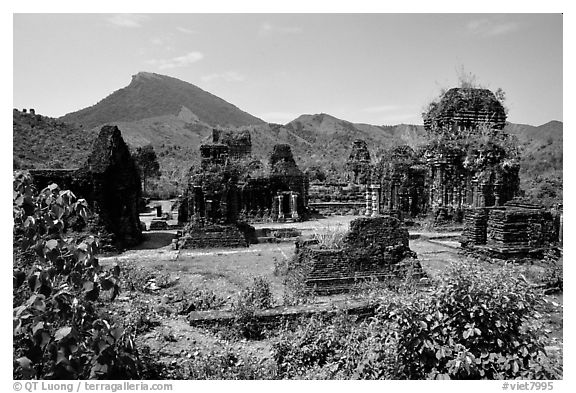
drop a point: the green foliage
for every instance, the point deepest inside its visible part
(215, 178)
(472, 326)
(147, 163)
(315, 173)
(199, 299)
(334, 347)
(227, 363)
(330, 237)
(41, 142)
(257, 296)
(58, 332)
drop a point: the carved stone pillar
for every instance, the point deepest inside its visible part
(294, 205)
(481, 195)
(280, 203)
(375, 200)
(561, 230)
(368, 211)
(497, 193)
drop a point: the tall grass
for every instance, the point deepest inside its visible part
(330, 237)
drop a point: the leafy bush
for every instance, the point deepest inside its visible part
(58, 332)
(475, 324)
(258, 296)
(200, 299)
(226, 363)
(472, 326)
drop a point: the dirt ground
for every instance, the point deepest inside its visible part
(228, 271)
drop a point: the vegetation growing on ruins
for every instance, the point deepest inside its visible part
(330, 238)
(473, 324)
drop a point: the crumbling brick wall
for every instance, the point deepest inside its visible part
(111, 176)
(42, 178)
(475, 226)
(286, 176)
(516, 229)
(110, 182)
(212, 236)
(238, 142)
(374, 247)
(359, 165)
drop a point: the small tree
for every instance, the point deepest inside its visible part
(147, 163)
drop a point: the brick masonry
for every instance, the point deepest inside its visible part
(510, 231)
(374, 247)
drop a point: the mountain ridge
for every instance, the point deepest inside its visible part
(151, 95)
(176, 117)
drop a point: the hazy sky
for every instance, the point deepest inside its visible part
(371, 68)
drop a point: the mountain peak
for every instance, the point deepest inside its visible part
(152, 95)
(143, 75)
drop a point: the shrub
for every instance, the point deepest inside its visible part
(335, 347)
(58, 332)
(475, 324)
(472, 326)
(199, 299)
(226, 363)
(258, 296)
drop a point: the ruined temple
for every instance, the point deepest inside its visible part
(373, 248)
(239, 142)
(288, 184)
(462, 109)
(226, 145)
(110, 183)
(400, 178)
(359, 163)
(111, 176)
(469, 160)
(227, 190)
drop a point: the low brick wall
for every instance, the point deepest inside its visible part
(475, 224)
(277, 315)
(338, 208)
(373, 248)
(509, 231)
(212, 236)
(518, 231)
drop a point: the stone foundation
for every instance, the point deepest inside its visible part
(217, 236)
(515, 230)
(475, 224)
(373, 248)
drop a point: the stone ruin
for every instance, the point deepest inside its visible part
(288, 184)
(239, 142)
(336, 198)
(470, 162)
(359, 165)
(226, 192)
(217, 192)
(462, 172)
(373, 248)
(400, 183)
(110, 183)
(462, 109)
(517, 229)
(226, 145)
